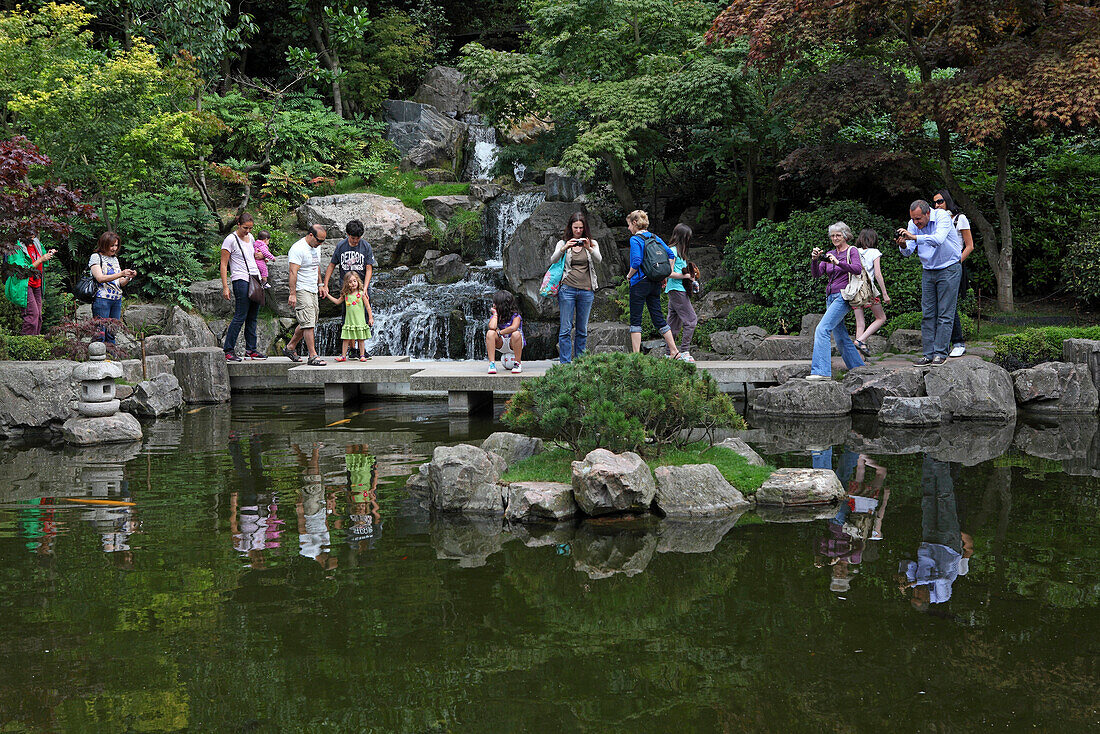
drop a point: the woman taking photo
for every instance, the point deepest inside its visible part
(578, 285)
(104, 267)
(239, 258)
(943, 200)
(837, 265)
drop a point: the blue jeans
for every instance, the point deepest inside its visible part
(244, 313)
(575, 305)
(107, 308)
(832, 327)
(939, 294)
(647, 294)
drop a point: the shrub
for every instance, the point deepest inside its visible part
(773, 260)
(463, 234)
(747, 314)
(1083, 267)
(26, 348)
(912, 319)
(620, 402)
(1035, 346)
(59, 304)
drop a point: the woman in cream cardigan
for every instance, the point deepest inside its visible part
(578, 285)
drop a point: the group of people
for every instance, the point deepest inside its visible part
(577, 292)
(940, 235)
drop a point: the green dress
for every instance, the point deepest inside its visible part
(355, 318)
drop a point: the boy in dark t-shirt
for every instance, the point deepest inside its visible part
(353, 254)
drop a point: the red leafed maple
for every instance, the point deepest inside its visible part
(28, 209)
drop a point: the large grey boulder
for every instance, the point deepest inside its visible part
(527, 254)
(608, 336)
(164, 344)
(445, 207)
(539, 502)
(1055, 387)
(445, 88)
(561, 185)
(206, 296)
(420, 484)
(268, 332)
(448, 269)
(157, 397)
(804, 398)
(191, 327)
(1086, 352)
(801, 487)
(738, 344)
(792, 372)
(36, 394)
(717, 304)
(155, 364)
(116, 428)
(395, 232)
(464, 479)
(783, 348)
(738, 446)
(870, 384)
(141, 315)
(605, 483)
(425, 137)
(695, 490)
(202, 374)
(972, 389)
(906, 411)
(512, 447)
(905, 341)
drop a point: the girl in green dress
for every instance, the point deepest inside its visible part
(358, 318)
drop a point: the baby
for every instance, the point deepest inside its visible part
(263, 255)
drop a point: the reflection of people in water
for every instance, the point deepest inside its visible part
(38, 524)
(313, 509)
(856, 521)
(868, 498)
(364, 518)
(253, 512)
(944, 554)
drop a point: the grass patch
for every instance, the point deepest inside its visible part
(555, 465)
(400, 185)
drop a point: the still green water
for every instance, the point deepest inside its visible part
(271, 575)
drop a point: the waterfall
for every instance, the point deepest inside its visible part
(481, 152)
(519, 169)
(503, 217)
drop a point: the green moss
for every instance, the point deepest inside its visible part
(555, 465)
(401, 185)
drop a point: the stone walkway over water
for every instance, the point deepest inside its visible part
(466, 383)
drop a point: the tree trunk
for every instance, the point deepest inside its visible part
(750, 185)
(1003, 268)
(619, 184)
(330, 59)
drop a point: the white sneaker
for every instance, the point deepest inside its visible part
(685, 357)
(517, 369)
(818, 377)
(957, 351)
(492, 368)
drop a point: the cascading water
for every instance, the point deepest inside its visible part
(482, 149)
(503, 217)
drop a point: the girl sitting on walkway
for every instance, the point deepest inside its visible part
(504, 311)
(358, 317)
(871, 258)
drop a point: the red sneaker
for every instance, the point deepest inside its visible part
(256, 355)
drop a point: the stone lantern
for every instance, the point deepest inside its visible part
(99, 421)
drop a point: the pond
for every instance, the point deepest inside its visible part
(260, 568)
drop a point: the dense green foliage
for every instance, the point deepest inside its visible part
(773, 260)
(26, 348)
(621, 402)
(1082, 267)
(555, 465)
(1035, 346)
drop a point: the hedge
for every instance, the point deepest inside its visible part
(1035, 346)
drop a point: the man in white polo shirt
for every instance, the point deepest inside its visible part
(304, 269)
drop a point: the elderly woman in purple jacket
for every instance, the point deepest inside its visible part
(836, 265)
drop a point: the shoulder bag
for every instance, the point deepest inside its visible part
(87, 286)
(551, 282)
(858, 291)
(255, 288)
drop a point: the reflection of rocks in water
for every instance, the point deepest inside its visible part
(468, 539)
(1071, 440)
(695, 536)
(967, 443)
(163, 435)
(602, 549)
(783, 435)
(206, 428)
(35, 472)
(795, 513)
(540, 535)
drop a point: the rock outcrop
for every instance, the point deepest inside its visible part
(117, 428)
(1055, 387)
(791, 487)
(738, 446)
(561, 185)
(870, 384)
(34, 395)
(1086, 352)
(202, 374)
(395, 232)
(696, 490)
(448, 269)
(803, 398)
(527, 255)
(905, 341)
(464, 478)
(192, 327)
(971, 389)
(445, 88)
(512, 447)
(155, 398)
(905, 411)
(425, 137)
(605, 483)
(539, 502)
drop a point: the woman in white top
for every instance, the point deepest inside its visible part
(872, 265)
(578, 285)
(238, 264)
(943, 200)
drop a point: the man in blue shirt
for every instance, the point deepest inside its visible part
(938, 245)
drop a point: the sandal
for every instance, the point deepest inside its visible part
(861, 346)
(341, 359)
(363, 359)
(316, 362)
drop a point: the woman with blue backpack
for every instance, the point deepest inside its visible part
(651, 263)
